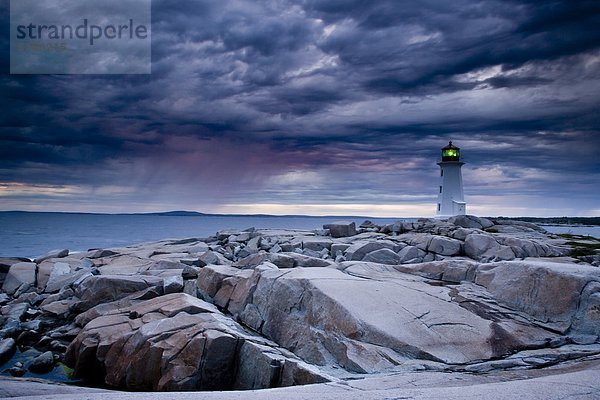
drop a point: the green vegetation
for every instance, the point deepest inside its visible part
(578, 237)
(567, 235)
(581, 252)
(580, 249)
(591, 246)
(491, 230)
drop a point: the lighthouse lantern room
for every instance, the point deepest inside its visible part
(451, 199)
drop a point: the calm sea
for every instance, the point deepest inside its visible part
(34, 234)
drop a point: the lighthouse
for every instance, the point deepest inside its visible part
(451, 199)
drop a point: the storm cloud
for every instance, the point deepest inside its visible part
(319, 107)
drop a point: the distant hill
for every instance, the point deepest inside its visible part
(177, 214)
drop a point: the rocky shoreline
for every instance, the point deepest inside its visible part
(255, 309)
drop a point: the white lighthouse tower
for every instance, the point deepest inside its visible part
(451, 199)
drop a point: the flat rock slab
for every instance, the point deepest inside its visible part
(575, 382)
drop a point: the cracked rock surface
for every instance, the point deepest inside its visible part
(253, 309)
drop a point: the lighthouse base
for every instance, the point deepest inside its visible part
(458, 208)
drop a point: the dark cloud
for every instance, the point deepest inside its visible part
(321, 102)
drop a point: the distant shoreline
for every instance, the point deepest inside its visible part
(565, 221)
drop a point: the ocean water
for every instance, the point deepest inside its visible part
(34, 234)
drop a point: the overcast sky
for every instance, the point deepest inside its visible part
(320, 107)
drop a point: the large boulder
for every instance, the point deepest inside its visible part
(485, 247)
(523, 248)
(341, 229)
(210, 278)
(444, 246)
(317, 244)
(106, 288)
(186, 346)
(301, 260)
(22, 273)
(57, 271)
(357, 251)
(470, 221)
(376, 319)
(7, 262)
(411, 254)
(553, 293)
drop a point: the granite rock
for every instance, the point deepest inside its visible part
(341, 229)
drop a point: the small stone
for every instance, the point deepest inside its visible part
(15, 311)
(340, 258)
(242, 237)
(193, 262)
(254, 244)
(86, 263)
(33, 325)
(276, 249)
(65, 293)
(311, 253)
(190, 287)
(17, 372)
(383, 256)
(12, 328)
(28, 338)
(536, 361)
(52, 254)
(368, 225)
(173, 284)
(4, 299)
(324, 253)
(57, 277)
(101, 253)
(58, 346)
(317, 244)
(210, 257)
(7, 349)
(189, 272)
(25, 287)
(43, 363)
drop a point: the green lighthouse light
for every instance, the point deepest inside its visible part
(450, 153)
